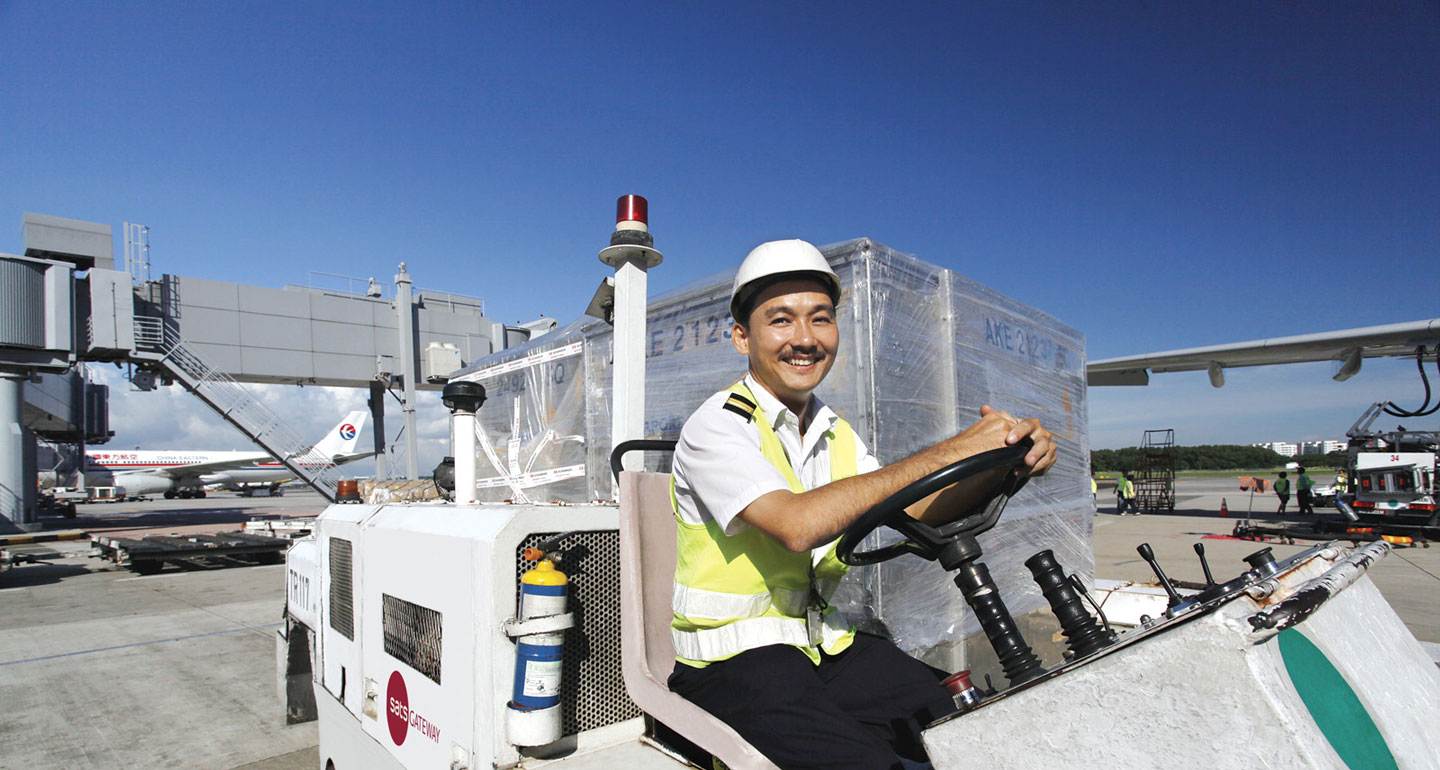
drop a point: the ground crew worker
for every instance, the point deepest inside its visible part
(1094, 488)
(1303, 485)
(1125, 495)
(1282, 491)
(766, 476)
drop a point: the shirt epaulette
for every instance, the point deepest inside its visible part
(740, 405)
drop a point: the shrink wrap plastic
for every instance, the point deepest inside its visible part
(921, 349)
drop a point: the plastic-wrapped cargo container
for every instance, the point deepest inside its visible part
(921, 349)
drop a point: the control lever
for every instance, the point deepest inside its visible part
(1149, 556)
(1205, 565)
(1082, 634)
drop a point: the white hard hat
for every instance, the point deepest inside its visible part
(779, 258)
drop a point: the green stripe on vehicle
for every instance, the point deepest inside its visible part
(1333, 705)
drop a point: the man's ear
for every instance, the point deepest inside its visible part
(740, 338)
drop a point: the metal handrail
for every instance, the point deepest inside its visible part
(237, 405)
(12, 505)
(149, 332)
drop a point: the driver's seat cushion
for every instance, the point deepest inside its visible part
(647, 583)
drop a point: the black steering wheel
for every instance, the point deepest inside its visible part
(922, 539)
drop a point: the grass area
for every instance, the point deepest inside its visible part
(1263, 472)
(1113, 475)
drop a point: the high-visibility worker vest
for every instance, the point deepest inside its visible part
(738, 592)
(1125, 487)
(1094, 486)
(1304, 482)
(1282, 486)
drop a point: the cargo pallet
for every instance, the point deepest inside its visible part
(148, 555)
(286, 529)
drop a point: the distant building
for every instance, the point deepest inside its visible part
(1321, 447)
(1282, 448)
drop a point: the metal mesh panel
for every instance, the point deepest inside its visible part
(342, 588)
(412, 635)
(592, 690)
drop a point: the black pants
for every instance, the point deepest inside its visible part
(862, 709)
(1284, 501)
(1305, 500)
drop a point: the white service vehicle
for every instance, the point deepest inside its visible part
(452, 636)
(1391, 473)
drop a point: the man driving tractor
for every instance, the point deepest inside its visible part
(766, 477)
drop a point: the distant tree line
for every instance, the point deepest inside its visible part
(1212, 457)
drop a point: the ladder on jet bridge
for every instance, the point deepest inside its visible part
(233, 402)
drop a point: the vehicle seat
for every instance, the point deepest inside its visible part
(647, 580)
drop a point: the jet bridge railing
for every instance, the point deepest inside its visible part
(236, 405)
(12, 505)
(149, 332)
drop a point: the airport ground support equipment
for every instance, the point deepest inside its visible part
(1390, 477)
(403, 620)
(1155, 478)
(403, 624)
(16, 555)
(288, 529)
(1389, 491)
(150, 554)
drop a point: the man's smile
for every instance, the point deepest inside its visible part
(802, 360)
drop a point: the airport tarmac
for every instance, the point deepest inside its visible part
(103, 668)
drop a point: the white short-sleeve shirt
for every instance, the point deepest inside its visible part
(719, 468)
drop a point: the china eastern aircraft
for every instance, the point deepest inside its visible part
(186, 474)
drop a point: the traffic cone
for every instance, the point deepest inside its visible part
(1224, 509)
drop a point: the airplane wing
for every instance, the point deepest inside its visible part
(1347, 346)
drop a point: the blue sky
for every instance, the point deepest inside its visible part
(1158, 175)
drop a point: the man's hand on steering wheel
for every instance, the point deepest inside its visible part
(1040, 457)
(970, 482)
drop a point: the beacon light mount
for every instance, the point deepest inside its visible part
(631, 254)
(631, 239)
(463, 398)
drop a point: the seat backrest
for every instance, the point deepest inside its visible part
(647, 581)
(656, 538)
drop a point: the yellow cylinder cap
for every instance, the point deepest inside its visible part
(544, 574)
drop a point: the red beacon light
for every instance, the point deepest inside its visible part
(631, 238)
(632, 208)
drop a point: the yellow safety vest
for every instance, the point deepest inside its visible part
(738, 592)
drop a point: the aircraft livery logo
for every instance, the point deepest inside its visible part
(347, 431)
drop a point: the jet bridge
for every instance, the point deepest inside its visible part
(212, 336)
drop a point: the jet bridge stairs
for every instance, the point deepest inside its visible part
(158, 343)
